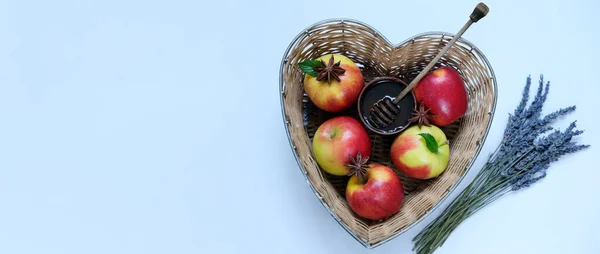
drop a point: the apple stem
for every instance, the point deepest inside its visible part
(362, 179)
(445, 143)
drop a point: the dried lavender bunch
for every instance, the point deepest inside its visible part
(522, 158)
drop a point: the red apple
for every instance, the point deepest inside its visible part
(377, 195)
(332, 82)
(338, 139)
(443, 91)
(411, 153)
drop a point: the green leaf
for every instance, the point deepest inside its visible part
(308, 65)
(430, 142)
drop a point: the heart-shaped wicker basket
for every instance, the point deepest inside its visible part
(378, 57)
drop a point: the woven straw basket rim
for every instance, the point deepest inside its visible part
(376, 33)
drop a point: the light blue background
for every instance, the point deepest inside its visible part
(155, 126)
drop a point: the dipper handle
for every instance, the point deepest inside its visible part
(479, 12)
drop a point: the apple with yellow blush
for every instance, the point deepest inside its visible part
(421, 152)
(337, 141)
(332, 82)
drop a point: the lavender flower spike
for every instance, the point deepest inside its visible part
(524, 98)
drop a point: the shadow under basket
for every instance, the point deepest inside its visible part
(377, 57)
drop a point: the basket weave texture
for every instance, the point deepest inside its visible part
(377, 57)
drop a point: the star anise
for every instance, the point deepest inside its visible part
(421, 116)
(358, 166)
(329, 71)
